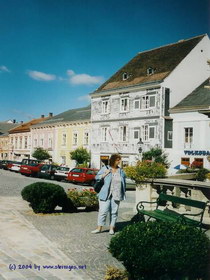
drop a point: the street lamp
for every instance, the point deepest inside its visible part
(140, 146)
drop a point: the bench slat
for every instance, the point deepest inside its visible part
(180, 200)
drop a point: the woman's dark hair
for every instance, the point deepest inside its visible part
(113, 158)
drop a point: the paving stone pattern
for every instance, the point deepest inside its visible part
(64, 239)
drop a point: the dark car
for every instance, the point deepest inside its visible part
(61, 173)
(47, 171)
(5, 163)
(82, 175)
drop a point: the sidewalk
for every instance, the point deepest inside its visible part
(21, 244)
(56, 240)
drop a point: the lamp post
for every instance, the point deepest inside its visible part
(140, 148)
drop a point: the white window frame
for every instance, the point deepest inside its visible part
(188, 135)
(35, 142)
(50, 142)
(154, 132)
(105, 106)
(25, 142)
(104, 133)
(124, 104)
(42, 142)
(146, 102)
(170, 135)
(139, 105)
(123, 130)
(64, 138)
(86, 138)
(75, 138)
(138, 130)
(145, 133)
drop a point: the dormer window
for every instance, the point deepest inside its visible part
(150, 71)
(125, 76)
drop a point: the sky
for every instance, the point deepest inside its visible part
(54, 53)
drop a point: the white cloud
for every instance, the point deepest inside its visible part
(4, 69)
(83, 79)
(84, 98)
(40, 76)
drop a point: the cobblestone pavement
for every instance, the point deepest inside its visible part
(63, 239)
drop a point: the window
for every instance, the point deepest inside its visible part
(104, 134)
(105, 106)
(50, 142)
(16, 142)
(198, 162)
(64, 139)
(35, 142)
(86, 138)
(185, 161)
(124, 104)
(145, 133)
(150, 71)
(125, 76)
(123, 133)
(188, 135)
(170, 135)
(20, 142)
(151, 132)
(137, 104)
(75, 138)
(42, 142)
(63, 160)
(136, 133)
(148, 101)
(26, 142)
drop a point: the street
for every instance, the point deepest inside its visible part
(56, 239)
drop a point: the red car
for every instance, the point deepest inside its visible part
(30, 167)
(82, 175)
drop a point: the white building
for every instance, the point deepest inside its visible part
(134, 102)
(191, 128)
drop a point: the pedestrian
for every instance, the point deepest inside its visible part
(111, 193)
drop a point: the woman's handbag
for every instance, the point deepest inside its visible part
(99, 184)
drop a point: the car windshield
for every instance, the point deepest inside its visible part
(61, 168)
(77, 170)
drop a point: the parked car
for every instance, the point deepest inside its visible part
(14, 166)
(47, 171)
(30, 167)
(82, 175)
(5, 164)
(61, 173)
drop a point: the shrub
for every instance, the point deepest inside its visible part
(44, 197)
(113, 273)
(156, 155)
(202, 174)
(85, 198)
(161, 250)
(145, 170)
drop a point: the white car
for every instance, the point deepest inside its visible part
(15, 166)
(61, 173)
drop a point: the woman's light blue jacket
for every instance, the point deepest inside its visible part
(104, 192)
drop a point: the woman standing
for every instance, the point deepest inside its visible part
(112, 192)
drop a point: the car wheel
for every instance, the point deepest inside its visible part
(52, 177)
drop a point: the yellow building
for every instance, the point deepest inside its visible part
(5, 145)
(69, 131)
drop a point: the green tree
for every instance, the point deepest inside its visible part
(41, 154)
(144, 171)
(80, 155)
(156, 155)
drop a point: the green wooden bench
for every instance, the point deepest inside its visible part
(171, 215)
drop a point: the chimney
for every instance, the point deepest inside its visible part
(50, 115)
(14, 121)
(42, 116)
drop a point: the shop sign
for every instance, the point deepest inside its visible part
(197, 153)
